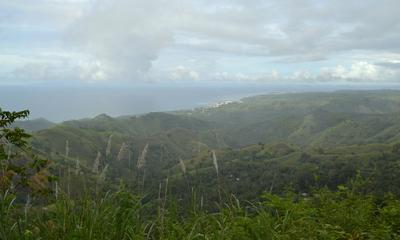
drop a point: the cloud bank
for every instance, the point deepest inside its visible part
(237, 40)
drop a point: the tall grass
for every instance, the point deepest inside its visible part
(122, 152)
(96, 163)
(108, 147)
(182, 165)
(66, 150)
(142, 158)
(141, 162)
(102, 176)
(215, 162)
(122, 215)
(77, 166)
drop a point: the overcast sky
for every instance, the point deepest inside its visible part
(129, 41)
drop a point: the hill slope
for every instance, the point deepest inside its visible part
(257, 140)
(34, 125)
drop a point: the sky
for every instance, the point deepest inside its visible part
(68, 59)
(117, 42)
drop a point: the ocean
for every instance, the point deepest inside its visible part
(60, 103)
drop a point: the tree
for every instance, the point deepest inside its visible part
(21, 170)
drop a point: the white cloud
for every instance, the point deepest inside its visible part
(92, 71)
(126, 35)
(119, 40)
(52, 67)
(183, 73)
(271, 76)
(361, 72)
(130, 34)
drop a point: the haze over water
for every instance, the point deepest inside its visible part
(73, 102)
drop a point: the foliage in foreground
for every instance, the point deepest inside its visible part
(343, 214)
(20, 170)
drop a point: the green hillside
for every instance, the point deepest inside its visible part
(279, 136)
(34, 124)
(306, 119)
(282, 166)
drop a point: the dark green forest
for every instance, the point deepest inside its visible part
(278, 166)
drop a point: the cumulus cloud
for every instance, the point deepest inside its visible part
(183, 73)
(272, 76)
(356, 72)
(361, 71)
(126, 35)
(92, 71)
(52, 67)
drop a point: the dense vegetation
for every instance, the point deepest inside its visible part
(324, 215)
(284, 166)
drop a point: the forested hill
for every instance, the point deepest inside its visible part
(34, 125)
(305, 119)
(344, 117)
(281, 166)
(310, 125)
